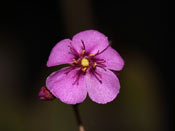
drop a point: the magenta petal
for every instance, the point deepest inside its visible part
(60, 54)
(107, 90)
(113, 60)
(94, 41)
(62, 86)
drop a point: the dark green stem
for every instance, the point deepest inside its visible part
(78, 118)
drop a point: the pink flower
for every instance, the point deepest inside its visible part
(91, 60)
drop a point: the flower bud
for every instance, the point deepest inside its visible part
(45, 94)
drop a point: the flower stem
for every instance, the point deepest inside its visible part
(78, 118)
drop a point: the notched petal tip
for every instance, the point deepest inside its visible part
(113, 59)
(93, 40)
(60, 54)
(106, 101)
(105, 92)
(122, 63)
(62, 84)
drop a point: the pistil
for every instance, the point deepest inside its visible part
(84, 62)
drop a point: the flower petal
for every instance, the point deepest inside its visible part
(60, 54)
(113, 60)
(107, 90)
(93, 40)
(61, 84)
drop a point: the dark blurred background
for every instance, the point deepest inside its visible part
(138, 31)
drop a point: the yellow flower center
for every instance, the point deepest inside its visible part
(84, 62)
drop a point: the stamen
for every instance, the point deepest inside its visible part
(102, 51)
(94, 64)
(101, 64)
(77, 76)
(83, 44)
(91, 55)
(73, 50)
(83, 52)
(95, 74)
(102, 67)
(68, 70)
(100, 61)
(75, 61)
(84, 69)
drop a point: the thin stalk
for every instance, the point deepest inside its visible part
(78, 118)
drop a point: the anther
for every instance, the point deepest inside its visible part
(84, 69)
(91, 55)
(94, 64)
(75, 61)
(83, 52)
